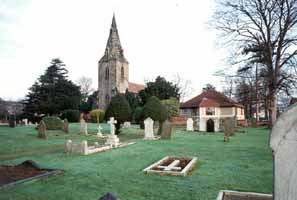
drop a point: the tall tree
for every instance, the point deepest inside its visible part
(52, 92)
(160, 88)
(262, 31)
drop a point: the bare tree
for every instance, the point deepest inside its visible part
(85, 84)
(262, 31)
(183, 85)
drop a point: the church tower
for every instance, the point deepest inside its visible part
(113, 69)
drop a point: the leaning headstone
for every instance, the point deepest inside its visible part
(109, 196)
(228, 128)
(66, 126)
(83, 127)
(283, 142)
(190, 124)
(166, 130)
(149, 129)
(42, 130)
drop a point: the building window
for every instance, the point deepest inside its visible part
(210, 111)
(122, 73)
(106, 74)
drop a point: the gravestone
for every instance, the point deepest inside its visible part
(190, 124)
(112, 123)
(149, 129)
(112, 139)
(66, 126)
(283, 142)
(228, 128)
(83, 127)
(99, 133)
(127, 125)
(166, 130)
(25, 122)
(42, 130)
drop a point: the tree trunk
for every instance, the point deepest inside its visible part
(273, 109)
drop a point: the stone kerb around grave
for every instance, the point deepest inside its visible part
(283, 142)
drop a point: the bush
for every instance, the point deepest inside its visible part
(95, 113)
(155, 110)
(71, 115)
(172, 106)
(138, 115)
(53, 123)
(119, 109)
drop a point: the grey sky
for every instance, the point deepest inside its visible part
(159, 38)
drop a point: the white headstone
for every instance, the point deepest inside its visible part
(83, 127)
(112, 123)
(99, 133)
(190, 124)
(283, 141)
(127, 124)
(149, 129)
(25, 122)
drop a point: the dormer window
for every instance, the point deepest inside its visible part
(210, 111)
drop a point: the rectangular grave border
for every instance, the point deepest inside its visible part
(231, 192)
(51, 172)
(184, 172)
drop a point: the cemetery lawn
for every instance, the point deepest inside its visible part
(243, 164)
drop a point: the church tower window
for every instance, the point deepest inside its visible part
(122, 73)
(106, 74)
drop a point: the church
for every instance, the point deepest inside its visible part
(113, 70)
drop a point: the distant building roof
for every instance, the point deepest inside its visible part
(210, 98)
(293, 100)
(135, 88)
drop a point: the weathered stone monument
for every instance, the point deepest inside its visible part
(166, 130)
(42, 130)
(228, 128)
(149, 129)
(127, 125)
(283, 142)
(83, 127)
(190, 124)
(112, 139)
(66, 126)
(25, 121)
(99, 133)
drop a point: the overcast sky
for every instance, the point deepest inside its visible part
(159, 38)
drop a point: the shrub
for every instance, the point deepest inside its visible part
(53, 123)
(71, 115)
(155, 110)
(95, 113)
(138, 116)
(119, 109)
(172, 106)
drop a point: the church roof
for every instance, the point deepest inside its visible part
(135, 88)
(210, 98)
(113, 50)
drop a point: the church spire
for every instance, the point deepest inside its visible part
(114, 48)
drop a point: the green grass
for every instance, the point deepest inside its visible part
(244, 164)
